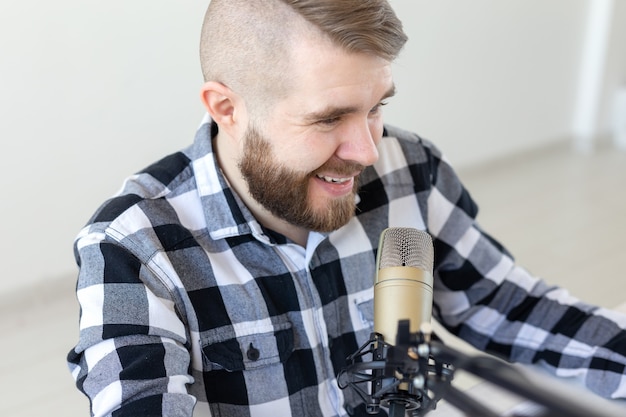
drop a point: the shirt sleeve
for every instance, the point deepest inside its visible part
(482, 296)
(132, 357)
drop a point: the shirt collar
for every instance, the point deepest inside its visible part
(224, 212)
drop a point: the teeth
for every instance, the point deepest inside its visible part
(333, 180)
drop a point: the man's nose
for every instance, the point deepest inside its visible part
(359, 144)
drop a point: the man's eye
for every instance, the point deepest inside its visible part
(330, 121)
(378, 107)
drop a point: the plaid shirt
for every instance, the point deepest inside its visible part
(190, 306)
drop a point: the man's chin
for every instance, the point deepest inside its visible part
(334, 215)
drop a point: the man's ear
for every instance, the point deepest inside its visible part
(223, 105)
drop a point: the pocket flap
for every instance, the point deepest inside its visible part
(261, 346)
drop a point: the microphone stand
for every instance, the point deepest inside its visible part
(512, 379)
(392, 379)
(417, 372)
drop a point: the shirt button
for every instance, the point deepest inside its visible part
(253, 353)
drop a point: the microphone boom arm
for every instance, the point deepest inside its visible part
(417, 372)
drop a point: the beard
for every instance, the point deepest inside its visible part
(284, 192)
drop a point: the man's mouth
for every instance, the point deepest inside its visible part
(334, 180)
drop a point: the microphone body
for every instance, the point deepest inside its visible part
(404, 281)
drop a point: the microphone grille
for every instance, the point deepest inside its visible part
(406, 246)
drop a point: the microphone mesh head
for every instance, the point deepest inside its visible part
(405, 246)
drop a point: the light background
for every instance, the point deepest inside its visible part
(92, 91)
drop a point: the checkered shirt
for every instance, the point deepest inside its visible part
(190, 307)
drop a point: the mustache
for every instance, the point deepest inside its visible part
(339, 167)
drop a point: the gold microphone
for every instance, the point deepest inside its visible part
(404, 281)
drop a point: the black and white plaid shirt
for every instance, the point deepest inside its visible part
(189, 306)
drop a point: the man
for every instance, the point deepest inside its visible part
(234, 278)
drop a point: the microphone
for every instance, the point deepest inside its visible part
(403, 298)
(402, 374)
(410, 370)
(404, 281)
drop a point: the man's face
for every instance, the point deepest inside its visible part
(303, 164)
(285, 191)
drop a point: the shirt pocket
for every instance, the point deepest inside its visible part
(251, 348)
(365, 309)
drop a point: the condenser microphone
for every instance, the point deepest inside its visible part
(403, 289)
(398, 375)
(403, 298)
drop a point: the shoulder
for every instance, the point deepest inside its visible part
(148, 204)
(400, 149)
(410, 141)
(163, 179)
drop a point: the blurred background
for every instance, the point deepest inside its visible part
(527, 98)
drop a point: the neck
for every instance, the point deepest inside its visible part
(294, 233)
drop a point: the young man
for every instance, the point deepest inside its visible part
(234, 278)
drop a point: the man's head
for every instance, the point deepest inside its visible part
(247, 45)
(296, 88)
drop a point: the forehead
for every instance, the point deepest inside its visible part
(322, 74)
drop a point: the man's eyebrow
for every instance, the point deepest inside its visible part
(332, 112)
(390, 93)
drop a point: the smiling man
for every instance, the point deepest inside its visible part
(233, 278)
(294, 146)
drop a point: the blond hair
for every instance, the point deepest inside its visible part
(246, 44)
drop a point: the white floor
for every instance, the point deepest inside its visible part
(37, 332)
(562, 214)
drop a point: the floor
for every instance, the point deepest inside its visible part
(560, 213)
(38, 331)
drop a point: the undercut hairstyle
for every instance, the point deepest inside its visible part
(246, 44)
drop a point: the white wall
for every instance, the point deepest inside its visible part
(90, 91)
(615, 75)
(93, 91)
(485, 78)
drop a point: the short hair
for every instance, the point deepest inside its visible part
(363, 26)
(246, 44)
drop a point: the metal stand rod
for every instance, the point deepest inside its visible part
(466, 404)
(397, 409)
